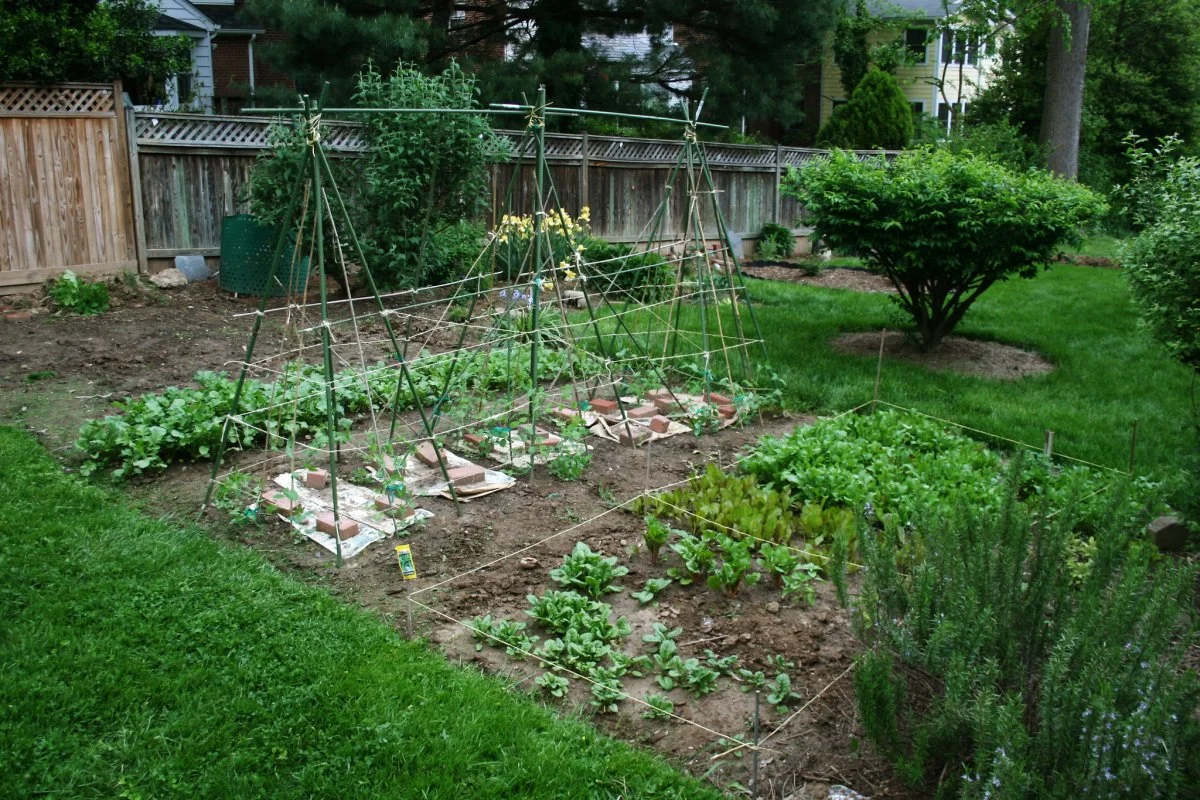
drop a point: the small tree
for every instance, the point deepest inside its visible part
(941, 227)
(878, 116)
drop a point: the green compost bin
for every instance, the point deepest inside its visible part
(247, 246)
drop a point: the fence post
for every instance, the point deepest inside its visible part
(135, 187)
(778, 201)
(583, 173)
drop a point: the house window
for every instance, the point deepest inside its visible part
(959, 47)
(950, 115)
(915, 40)
(458, 18)
(918, 107)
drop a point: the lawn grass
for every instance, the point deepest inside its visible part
(145, 661)
(1107, 373)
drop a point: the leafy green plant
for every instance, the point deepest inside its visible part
(734, 568)
(779, 692)
(698, 678)
(502, 632)
(800, 582)
(722, 664)
(236, 492)
(657, 534)
(650, 591)
(79, 296)
(779, 561)
(660, 706)
(775, 243)
(973, 215)
(733, 504)
(569, 465)
(562, 611)
(553, 685)
(752, 679)
(668, 665)
(660, 633)
(697, 556)
(589, 572)
(607, 692)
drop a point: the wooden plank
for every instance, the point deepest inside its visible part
(135, 190)
(124, 185)
(42, 275)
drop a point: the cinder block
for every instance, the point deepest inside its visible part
(660, 424)
(343, 528)
(276, 501)
(316, 479)
(466, 476)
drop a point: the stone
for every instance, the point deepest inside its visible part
(316, 479)
(427, 453)
(529, 562)
(602, 405)
(772, 607)
(573, 298)
(467, 475)
(1168, 533)
(642, 412)
(660, 424)
(169, 279)
(276, 501)
(343, 528)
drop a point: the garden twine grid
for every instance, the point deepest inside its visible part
(737, 743)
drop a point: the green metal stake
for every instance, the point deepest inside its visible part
(539, 137)
(321, 207)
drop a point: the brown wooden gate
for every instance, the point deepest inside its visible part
(65, 189)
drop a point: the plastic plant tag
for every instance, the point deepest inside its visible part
(404, 556)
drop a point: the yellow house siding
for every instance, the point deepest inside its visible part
(918, 81)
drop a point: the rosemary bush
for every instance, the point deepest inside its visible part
(1044, 684)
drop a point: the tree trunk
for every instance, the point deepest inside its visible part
(1062, 104)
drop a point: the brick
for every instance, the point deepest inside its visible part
(427, 453)
(465, 476)
(316, 479)
(387, 505)
(345, 528)
(666, 405)
(473, 438)
(727, 411)
(18, 316)
(660, 424)
(602, 405)
(549, 441)
(389, 465)
(655, 394)
(642, 412)
(275, 501)
(718, 399)
(564, 413)
(632, 434)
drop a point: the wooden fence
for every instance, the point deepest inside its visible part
(66, 199)
(88, 185)
(193, 171)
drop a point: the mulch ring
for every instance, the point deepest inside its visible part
(956, 354)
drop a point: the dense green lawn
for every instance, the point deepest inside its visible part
(142, 661)
(1107, 372)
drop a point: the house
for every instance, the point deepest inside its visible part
(226, 69)
(945, 70)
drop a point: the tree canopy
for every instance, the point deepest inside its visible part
(746, 52)
(87, 40)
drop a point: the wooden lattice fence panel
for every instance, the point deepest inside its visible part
(65, 191)
(235, 133)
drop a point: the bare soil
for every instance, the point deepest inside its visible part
(955, 354)
(855, 280)
(55, 371)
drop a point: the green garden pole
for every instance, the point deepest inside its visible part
(537, 122)
(276, 258)
(314, 142)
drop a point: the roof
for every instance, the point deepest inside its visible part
(165, 23)
(229, 18)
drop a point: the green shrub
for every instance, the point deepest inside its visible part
(79, 296)
(1042, 687)
(775, 243)
(877, 116)
(1162, 262)
(942, 228)
(617, 270)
